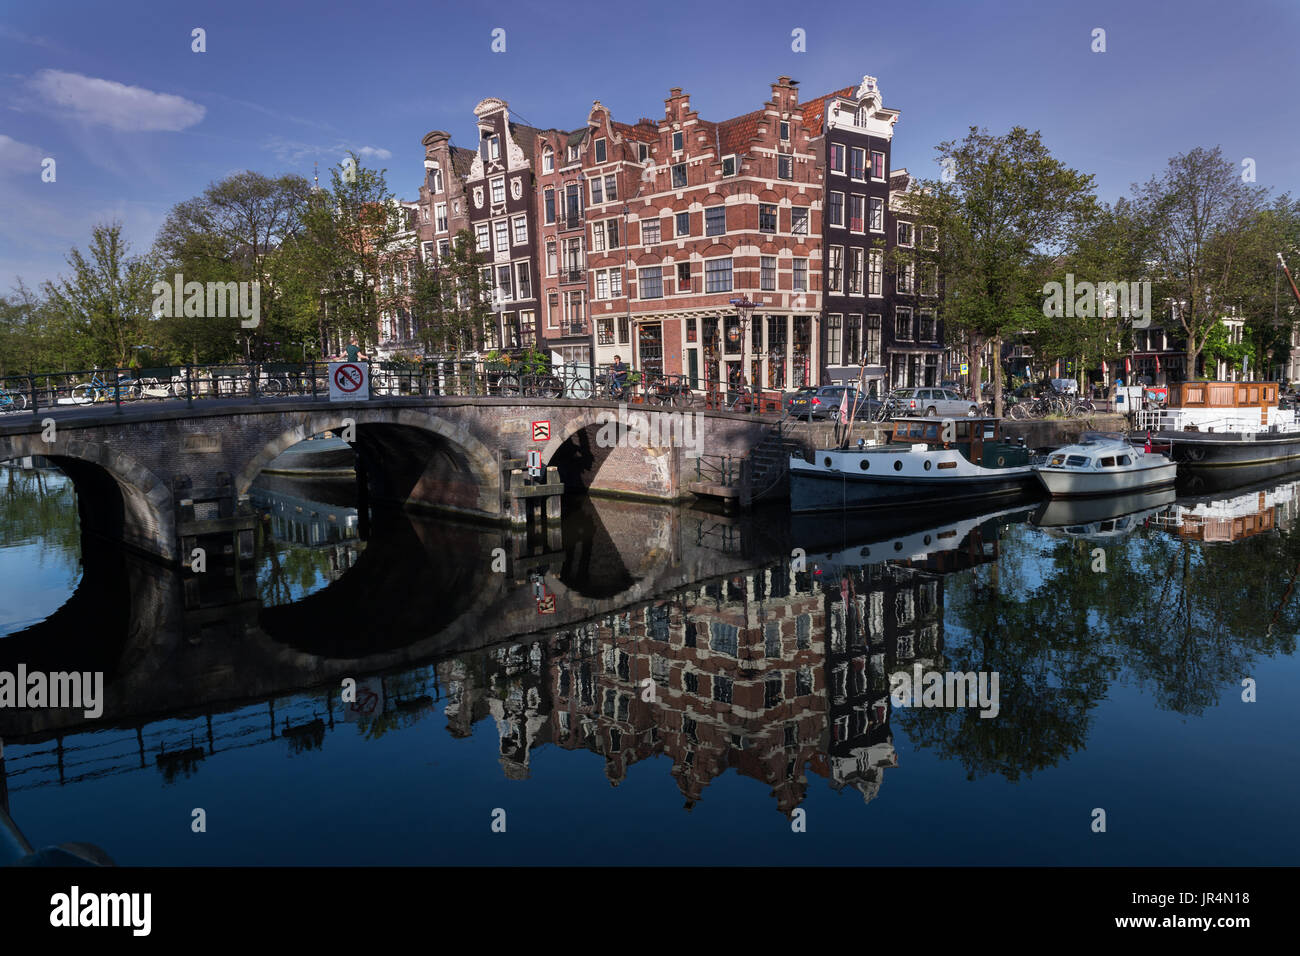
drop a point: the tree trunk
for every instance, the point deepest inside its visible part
(997, 375)
(1192, 356)
(976, 346)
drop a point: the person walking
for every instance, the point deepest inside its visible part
(353, 351)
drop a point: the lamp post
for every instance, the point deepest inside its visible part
(745, 309)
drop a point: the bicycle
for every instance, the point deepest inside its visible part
(12, 401)
(669, 391)
(100, 390)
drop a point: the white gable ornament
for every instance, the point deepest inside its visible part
(516, 187)
(478, 197)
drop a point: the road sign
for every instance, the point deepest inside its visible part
(535, 463)
(541, 431)
(349, 381)
(965, 368)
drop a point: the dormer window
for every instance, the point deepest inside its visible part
(600, 151)
(548, 160)
(728, 165)
(573, 154)
(643, 151)
(435, 179)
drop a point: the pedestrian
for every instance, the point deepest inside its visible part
(617, 375)
(353, 351)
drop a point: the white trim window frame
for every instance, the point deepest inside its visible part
(875, 272)
(841, 151)
(835, 269)
(440, 217)
(832, 207)
(876, 214)
(498, 189)
(519, 230)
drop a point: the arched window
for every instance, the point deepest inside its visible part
(548, 160)
(435, 178)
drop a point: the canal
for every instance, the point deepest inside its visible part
(658, 685)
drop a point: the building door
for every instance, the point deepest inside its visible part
(650, 344)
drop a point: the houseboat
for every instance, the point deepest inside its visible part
(926, 461)
(1103, 464)
(1225, 434)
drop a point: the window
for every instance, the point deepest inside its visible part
(929, 279)
(875, 272)
(553, 311)
(852, 342)
(574, 303)
(679, 175)
(550, 257)
(907, 277)
(903, 324)
(435, 176)
(677, 142)
(835, 209)
(801, 275)
(548, 160)
(611, 232)
(766, 217)
(521, 230)
(597, 237)
(722, 689)
(715, 220)
(549, 196)
(799, 221)
(785, 131)
(642, 151)
(440, 217)
(502, 229)
(609, 283)
(597, 190)
(877, 215)
(837, 158)
(482, 237)
(573, 264)
(835, 269)
(724, 638)
(503, 281)
(573, 152)
(871, 345)
(572, 205)
(717, 275)
(684, 277)
(856, 205)
(834, 323)
(499, 189)
(855, 271)
(444, 248)
(929, 237)
(682, 226)
(905, 234)
(767, 274)
(600, 150)
(611, 188)
(728, 165)
(857, 163)
(772, 691)
(650, 282)
(877, 164)
(785, 167)
(524, 281)
(927, 326)
(650, 232)
(494, 147)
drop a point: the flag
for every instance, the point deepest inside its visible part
(844, 406)
(1104, 370)
(1157, 364)
(1128, 366)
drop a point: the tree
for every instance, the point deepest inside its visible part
(450, 299)
(1200, 213)
(1003, 208)
(108, 296)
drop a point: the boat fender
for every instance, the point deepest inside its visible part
(1002, 460)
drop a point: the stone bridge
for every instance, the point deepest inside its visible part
(442, 453)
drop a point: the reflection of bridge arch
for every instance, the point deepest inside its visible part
(454, 458)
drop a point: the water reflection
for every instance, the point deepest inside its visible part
(642, 633)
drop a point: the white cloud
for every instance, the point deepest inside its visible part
(115, 105)
(292, 151)
(18, 158)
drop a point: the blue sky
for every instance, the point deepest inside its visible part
(136, 121)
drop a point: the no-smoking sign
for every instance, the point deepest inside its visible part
(349, 381)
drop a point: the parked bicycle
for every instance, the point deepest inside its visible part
(12, 400)
(669, 390)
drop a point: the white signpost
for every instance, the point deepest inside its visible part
(349, 381)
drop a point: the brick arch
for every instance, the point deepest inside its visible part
(483, 463)
(146, 499)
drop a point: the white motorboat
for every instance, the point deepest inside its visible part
(1103, 465)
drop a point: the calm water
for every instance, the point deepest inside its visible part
(658, 685)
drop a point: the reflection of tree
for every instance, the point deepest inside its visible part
(40, 506)
(290, 572)
(1183, 618)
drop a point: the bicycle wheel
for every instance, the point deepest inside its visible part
(508, 385)
(17, 401)
(272, 386)
(683, 397)
(580, 389)
(548, 386)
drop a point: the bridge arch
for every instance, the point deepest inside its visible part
(468, 457)
(118, 498)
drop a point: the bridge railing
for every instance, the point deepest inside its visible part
(122, 387)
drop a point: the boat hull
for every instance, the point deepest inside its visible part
(1210, 461)
(812, 491)
(1063, 483)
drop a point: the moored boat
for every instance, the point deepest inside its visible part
(926, 461)
(1103, 464)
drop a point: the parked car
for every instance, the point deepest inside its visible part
(932, 401)
(825, 402)
(797, 403)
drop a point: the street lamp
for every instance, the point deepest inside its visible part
(745, 309)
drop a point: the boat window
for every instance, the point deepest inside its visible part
(1125, 460)
(1077, 461)
(932, 432)
(1106, 463)
(963, 431)
(1057, 461)
(917, 429)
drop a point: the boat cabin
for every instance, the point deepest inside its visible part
(1223, 395)
(980, 440)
